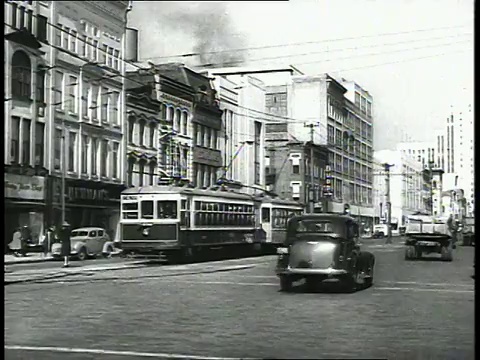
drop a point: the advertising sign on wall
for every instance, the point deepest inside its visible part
(24, 187)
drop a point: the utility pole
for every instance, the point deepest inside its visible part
(388, 202)
(310, 192)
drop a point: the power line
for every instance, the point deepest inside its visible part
(306, 42)
(333, 50)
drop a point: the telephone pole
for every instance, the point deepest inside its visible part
(311, 190)
(388, 202)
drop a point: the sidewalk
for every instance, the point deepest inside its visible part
(30, 258)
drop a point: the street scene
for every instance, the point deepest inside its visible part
(233, 309)
(239, 180)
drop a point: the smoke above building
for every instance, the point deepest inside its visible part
(205, 31)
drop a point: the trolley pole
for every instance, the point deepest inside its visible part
(389, 204)
(310, 193)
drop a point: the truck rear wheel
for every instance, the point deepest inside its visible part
(285, 283)
(446, 253)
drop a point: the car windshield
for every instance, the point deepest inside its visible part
(314, 226)
(79, 233)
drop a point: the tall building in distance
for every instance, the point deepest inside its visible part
(424, 152)
(337, 116)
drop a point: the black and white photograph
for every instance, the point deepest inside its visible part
(213, 180)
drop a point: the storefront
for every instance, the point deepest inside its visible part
(89, 203)
(24, 204)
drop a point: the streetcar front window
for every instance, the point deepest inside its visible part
(265, 215)
(147, 209)
(166, 209)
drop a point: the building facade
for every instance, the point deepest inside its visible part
(26, 129)
(408, 189)
(423, 152)
(343, 123)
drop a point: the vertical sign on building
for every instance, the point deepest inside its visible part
(327, 187)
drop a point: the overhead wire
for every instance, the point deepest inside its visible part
(306, 42)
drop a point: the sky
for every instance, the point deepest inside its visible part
(414, 57)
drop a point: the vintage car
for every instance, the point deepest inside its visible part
(321, 247)
(86, 242)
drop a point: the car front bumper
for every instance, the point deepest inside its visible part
(297, 271)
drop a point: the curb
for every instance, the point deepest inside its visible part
(39, 260)
(71, 273)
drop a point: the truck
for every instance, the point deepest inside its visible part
(427, 234)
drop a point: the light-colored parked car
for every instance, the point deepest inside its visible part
(86, 242)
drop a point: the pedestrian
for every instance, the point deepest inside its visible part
(66, 246)
(16, 243)
(26, 238)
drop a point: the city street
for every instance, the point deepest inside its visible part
(415, 310)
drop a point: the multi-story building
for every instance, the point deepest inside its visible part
(199, 124)
(323, 111)
(423, 152)
(27, 128)
(407, 185)
(242, 99)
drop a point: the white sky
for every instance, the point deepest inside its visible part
(415, 96)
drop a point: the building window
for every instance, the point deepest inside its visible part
(72, 92)
(110, 57)
(58, 35)
(330, 134)
(84, 98)
(185, 164)
(131, 163)
(26, 124)
(94, 156)
(296, 169)
(14, 15)
(116, 57)
(39, 144)
(257, 152)
(115, 149)
(113, 108)
(141, 171)
(57, 149)
(72, 143)
(21, 75)
(15, 140)
(58, 88)
(21, 17)
(152, 135)
(141, 133)
(176, 127)
(82, 42)
(185, 122)
(84, 154)
(103, 54)
(65, 33)
(170, 112)
(214, 139)
(73, 41)
(94, 102)
(104, 105)
(41, 86)
(152, 173)
(95, 50)
(104, 158)
(131, 128)
(29, 24)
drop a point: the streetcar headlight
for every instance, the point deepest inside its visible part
(282, 251)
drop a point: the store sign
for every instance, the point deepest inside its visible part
(92, 192)
(207, 156)
(24, 187)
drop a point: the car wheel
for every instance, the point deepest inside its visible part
(108, 252)
(446, 253)
(285, 283)
(369, 272)
(410, 252)
(82, 254)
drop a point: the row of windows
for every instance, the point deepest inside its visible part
(355, 194)
(205, 175)
(148, 210)
(364, 105)
(224, 207)
(87, 155)
(98, 103)
(222, 219)
(205, 136)
(175, 158)
(87, 47)
(141, 172)
(178, 117)
(278, 217)
(23, 17)
(23, 134)
(137, 134)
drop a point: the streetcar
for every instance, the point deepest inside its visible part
(178, 222)
(275, 214)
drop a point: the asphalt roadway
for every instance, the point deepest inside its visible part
(233, 309)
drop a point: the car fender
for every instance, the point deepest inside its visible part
(106, 245)
(78, 245)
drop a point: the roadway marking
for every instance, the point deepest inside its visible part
(115, 352)
(375, 287)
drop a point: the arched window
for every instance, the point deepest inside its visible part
(21, 75)
(170, 113)
(141, 135)
(151, 173)
(177, 122)
(141, 172)
(131, 128)
(184, 123)
(152, 142)
(131, 163)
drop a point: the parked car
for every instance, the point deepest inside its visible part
(323, 247)
(380, 231)
(86, 242)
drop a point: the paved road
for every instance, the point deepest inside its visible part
(415, 310)
(59, 263)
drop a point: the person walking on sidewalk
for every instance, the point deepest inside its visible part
(48, 240)
(65, 240)
(16, 244)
